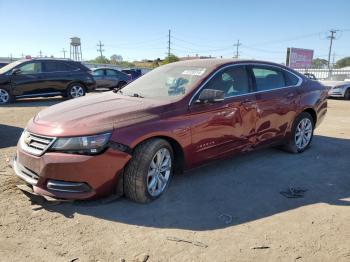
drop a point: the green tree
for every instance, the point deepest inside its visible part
(343, 62)
(319, 63)
(100, 60)
(170, 59)
(116, 59)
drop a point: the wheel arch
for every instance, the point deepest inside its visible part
(179, 155)
(312, 112)
(76, 82)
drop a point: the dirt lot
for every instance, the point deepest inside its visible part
(230, 210)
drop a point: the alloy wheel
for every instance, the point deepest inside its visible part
(4, 96)
(159, 172)
(303, 133)
(76, 91)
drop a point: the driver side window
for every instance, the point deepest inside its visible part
(232, 81)
(30, 68)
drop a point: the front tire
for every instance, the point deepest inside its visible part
(302, 133)
(5, 97)
(75, 90)
(347, 94)
(148, 174)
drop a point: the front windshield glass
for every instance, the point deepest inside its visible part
(9, 67)
(166, 82)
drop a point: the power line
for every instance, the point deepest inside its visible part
(331, 37)
(237, 45)
(64, 52)
(100, 50)
(169, 42)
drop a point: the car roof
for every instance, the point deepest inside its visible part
(97, 68)
(214, 63)
(217, 62)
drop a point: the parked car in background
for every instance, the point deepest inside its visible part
(3, 64)
(133, 73)
(339, 86)
(110, 78)
(44, 78)
(176, 117)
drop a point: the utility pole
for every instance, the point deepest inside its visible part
(169, 42)
(40, 53)
(11, 57)
(64, 52)
(331, 37)
(333, 62)
(100, 45)
(237, 47)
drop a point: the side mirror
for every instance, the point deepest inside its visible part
(211, 96)
(16, 71)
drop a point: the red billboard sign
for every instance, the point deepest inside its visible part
(299, 58)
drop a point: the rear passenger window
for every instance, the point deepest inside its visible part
(110, 72)
(52, 66)
(291, 80)
(267, 78)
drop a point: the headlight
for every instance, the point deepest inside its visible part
(89, 145)
(340, 87)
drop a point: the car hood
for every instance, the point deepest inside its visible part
(332, 83)
(94, 114)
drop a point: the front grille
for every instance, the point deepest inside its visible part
(35, 144)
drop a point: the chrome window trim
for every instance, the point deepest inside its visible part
(247, 64)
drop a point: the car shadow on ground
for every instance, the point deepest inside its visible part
(237, 190)
(9, 135)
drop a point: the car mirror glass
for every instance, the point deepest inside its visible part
(210, 96)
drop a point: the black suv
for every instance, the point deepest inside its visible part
(44, 77)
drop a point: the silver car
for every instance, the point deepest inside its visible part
(339, 86)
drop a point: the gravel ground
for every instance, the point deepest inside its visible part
(229, 210)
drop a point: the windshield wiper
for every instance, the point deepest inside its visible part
(118, 90)
(137, 95)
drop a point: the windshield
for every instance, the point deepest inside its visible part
(166, 82)
(9, 66)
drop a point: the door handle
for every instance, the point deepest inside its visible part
(247, 102)
(290, 95)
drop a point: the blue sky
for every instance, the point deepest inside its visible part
(138, 29)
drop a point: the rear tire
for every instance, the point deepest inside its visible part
(148, 173)
(301, 134)
(75, 90)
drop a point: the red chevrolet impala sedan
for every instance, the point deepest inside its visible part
(174, 118)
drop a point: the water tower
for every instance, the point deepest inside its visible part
(75, 49)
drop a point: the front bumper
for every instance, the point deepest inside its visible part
(69, 176)
(336, 93)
